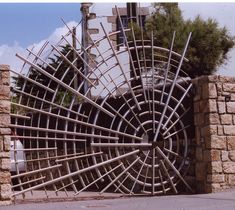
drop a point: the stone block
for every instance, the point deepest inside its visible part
(197, 135)
(199, 119)
(231, 142)
(232, 155)
(4, 119)
(5, 164)
(4, 92)
(6, 192)
(216, 142)
(196, 107)
(212, 90)
(215, 155)
(229, 87)
(208, 106)
(216, 167)
(215, 187)
(226, 119)
(211, 155)
(212, 105)
(226, 79)
(5, 131)
(199, 154)
(221, 107)
(1, 145)
(209, 130)
(204, 106)
(7, 143)
(5, 202)
(219, 87)
(198, 90)
(215, 178)
(230, 107)
(4, 155)
(232, 97)
(205, 91)
(209, 90)
(229, 167)
(224, 156)
(4, 106)
(213, 78)
(4, 67)
(220, 130)
(200, 187)
(229, 130)
(5, 177)
(221, 98)
(212, 119)
(206, 156)
(208, 188)
(5, 78)
(231, 179)
(200, 170)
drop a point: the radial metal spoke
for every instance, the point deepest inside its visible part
(121, 68)
(168, 176)
(77, 122)
(121, 145)
(123, 172)
(168, 67)
(177, 106)
(173, 168)
(75, 173)
(171, 89)
(66, 86)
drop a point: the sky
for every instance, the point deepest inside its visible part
(27, 23)
(23, 25)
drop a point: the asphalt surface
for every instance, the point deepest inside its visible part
(215, 201)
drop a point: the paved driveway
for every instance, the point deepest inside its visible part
(216, 201)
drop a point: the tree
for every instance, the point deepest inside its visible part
(56, 61)
(209, 44)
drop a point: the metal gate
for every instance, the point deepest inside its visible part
(82, 122)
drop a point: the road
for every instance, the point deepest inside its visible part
(215, 201)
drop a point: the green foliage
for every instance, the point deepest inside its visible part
(64, 72)
(209, 44)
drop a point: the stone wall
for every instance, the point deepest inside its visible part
(214, 107)
(5, 176)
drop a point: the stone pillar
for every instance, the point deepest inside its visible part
(214, 118)
(5, 132)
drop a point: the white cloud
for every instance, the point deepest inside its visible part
(7, 52)
(7, 55)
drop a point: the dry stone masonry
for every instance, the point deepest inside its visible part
(214, 118)
(5, 180)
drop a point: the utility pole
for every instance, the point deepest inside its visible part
(133, 17)
(77, 79)
(85, 15)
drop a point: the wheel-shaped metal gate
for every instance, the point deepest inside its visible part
(81, 122)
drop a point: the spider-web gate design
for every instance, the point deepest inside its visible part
(129, 137)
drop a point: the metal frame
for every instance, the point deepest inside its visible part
(136, 142)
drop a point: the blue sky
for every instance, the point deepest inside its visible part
(27, 23)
